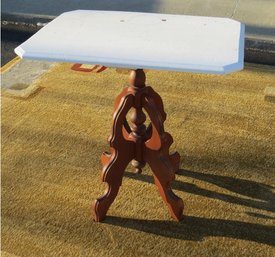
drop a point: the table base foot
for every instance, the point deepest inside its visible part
(140, 145)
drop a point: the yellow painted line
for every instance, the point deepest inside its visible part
(10, 64)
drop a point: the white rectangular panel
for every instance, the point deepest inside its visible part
(140, 40)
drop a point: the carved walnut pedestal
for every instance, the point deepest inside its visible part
(140, 145)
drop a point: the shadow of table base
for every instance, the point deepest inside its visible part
(197, 228)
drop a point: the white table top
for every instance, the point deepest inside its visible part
(140, 40)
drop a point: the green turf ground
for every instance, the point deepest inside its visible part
(51, 147)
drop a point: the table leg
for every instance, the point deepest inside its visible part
(140, 145)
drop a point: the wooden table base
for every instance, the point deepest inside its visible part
(140, 145)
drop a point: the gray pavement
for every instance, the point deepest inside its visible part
(258, 15)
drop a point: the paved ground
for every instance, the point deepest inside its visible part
(258, 15)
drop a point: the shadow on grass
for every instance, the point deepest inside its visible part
(240, 186)
(197, 228)
(265, 198)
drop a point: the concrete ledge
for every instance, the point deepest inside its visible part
(20, 77)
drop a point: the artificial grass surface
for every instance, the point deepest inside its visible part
(51, 147)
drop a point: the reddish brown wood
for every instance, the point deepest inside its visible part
(95, 68)
(140, 145)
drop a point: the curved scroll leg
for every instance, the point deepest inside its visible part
(158, 101)
(114, 166)
(173, 157)
(163, 165)
(164, 174)
(159, 139)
